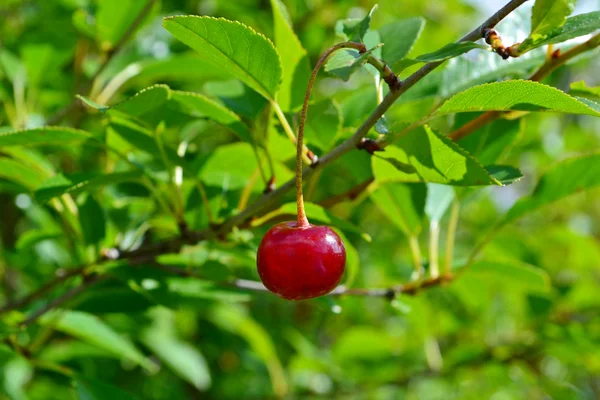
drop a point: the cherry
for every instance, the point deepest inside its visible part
(297, 260)
(298, 263)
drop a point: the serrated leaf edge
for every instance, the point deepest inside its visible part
(269, 42)
(502, 82)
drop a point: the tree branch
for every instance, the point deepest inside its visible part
(411, 289)
(272, 199)
(45, 288)
(73, 292)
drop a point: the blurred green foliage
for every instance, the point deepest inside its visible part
(520, 322)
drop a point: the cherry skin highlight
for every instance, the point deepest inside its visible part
(301, 263)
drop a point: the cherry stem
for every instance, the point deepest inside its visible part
(302, 220)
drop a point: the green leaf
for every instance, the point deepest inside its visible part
(91, 329)
(566, 178)
(229, 166)
(234, 47)
(92, 104)
(67, 350)
(343, 63)
(449, 51)
(232, 166)
(359, 344)
(399, 38)
(91, 218)
(445, 53)
(62, 184)
(324, 124)
(178, 68)
(181, 357)
(403, 204)
(579, 25)
(145, 101)
(33, 237)
(354, 29)
(519, 274)
(92, 389)
(17, 373)
(234, 320)
(50, 135)
(17, 172)
(590, 103)
(142, 139)
(200, 106)
(491, 142)
(238, 97)
(548, 15)
(439, 198)
(462, 73)
(426, 156)
(352, 258)
(40, 60)
(12, 67)
(113, 19)
(504, 174)
(190, 291)
(31, 158)
(515, 95)
(294, 59)
(580, 88)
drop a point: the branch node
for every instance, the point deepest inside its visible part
(556, 54)
(369, 145)
(392, 81)
(314, 159)
(390, 294)
(270, 185)
(493, 39)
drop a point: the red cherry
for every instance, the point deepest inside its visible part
(301, 263)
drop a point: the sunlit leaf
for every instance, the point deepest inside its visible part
(354, 29)
(580, 88)
(425, 156)
(548, 15)
(17, 172)
(515, 95)
(399, 38)
(234, 47)
(445, 53)
(345, 62)
(50, 135)
(579, 25)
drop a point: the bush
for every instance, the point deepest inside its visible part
(145, 153)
